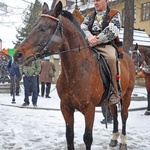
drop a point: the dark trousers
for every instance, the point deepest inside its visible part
(27, 82)
(14, 85)
(48, 87)
(106, 112)
(38, 89)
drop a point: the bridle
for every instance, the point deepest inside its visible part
(59, 27)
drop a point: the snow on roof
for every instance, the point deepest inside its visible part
(139, 37)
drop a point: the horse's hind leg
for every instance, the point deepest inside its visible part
(148, 103)
(124, 116)
(114, 113)
(147, 83)
(148, 98)
(68, 115)
(89, 115)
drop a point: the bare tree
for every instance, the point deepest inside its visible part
(128, 25)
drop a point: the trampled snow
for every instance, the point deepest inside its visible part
(43, 128)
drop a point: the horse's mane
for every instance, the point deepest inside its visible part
(73, 19)
(145, 50)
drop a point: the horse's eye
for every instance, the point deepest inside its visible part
(42, 28)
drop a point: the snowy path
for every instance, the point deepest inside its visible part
(35, 129)
(31, 129)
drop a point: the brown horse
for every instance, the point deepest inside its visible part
(142, 55)
(80, 86)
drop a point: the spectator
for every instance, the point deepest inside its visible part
(30, 75)
(30, 88)
(107, 115)
(45, 77)
(15, 77)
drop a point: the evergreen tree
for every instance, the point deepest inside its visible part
(30, 17)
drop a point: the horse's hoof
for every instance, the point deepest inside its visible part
(113, 143)
(123, 147)
(147, 112)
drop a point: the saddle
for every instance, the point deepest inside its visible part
(106, 77)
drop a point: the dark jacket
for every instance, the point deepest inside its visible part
(13, 69)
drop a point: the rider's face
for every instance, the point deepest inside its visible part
(100, 5)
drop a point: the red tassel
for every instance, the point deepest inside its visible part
(117, 76)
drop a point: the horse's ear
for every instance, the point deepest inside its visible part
(45, 8)
(136, 46)
(58, 9)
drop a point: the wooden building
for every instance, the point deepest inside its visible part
(141, 15)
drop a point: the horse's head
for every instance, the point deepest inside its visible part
(146, 54)
(43, 38)
(137, 56)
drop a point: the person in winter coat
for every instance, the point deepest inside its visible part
(15, 77)
(107, 115)
(30, 75)
(45, 78)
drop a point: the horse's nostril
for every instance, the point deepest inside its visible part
(19, 55)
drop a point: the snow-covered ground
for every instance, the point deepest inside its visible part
(43, 128)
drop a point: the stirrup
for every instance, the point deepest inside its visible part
(114, 98)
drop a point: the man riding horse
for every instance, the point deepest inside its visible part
(102, 29)
(54, 30)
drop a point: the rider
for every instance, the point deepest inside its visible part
(100, 34)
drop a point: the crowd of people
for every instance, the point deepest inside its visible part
(38, 72)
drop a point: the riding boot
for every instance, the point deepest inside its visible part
(42, 89)
(116, 92)
(109, 52)
(115, 95)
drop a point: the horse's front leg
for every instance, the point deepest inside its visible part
(114, 113)
(89, 115)
(68, 114)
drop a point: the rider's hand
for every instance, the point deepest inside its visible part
(93, 40)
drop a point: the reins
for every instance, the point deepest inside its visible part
(74, 49)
